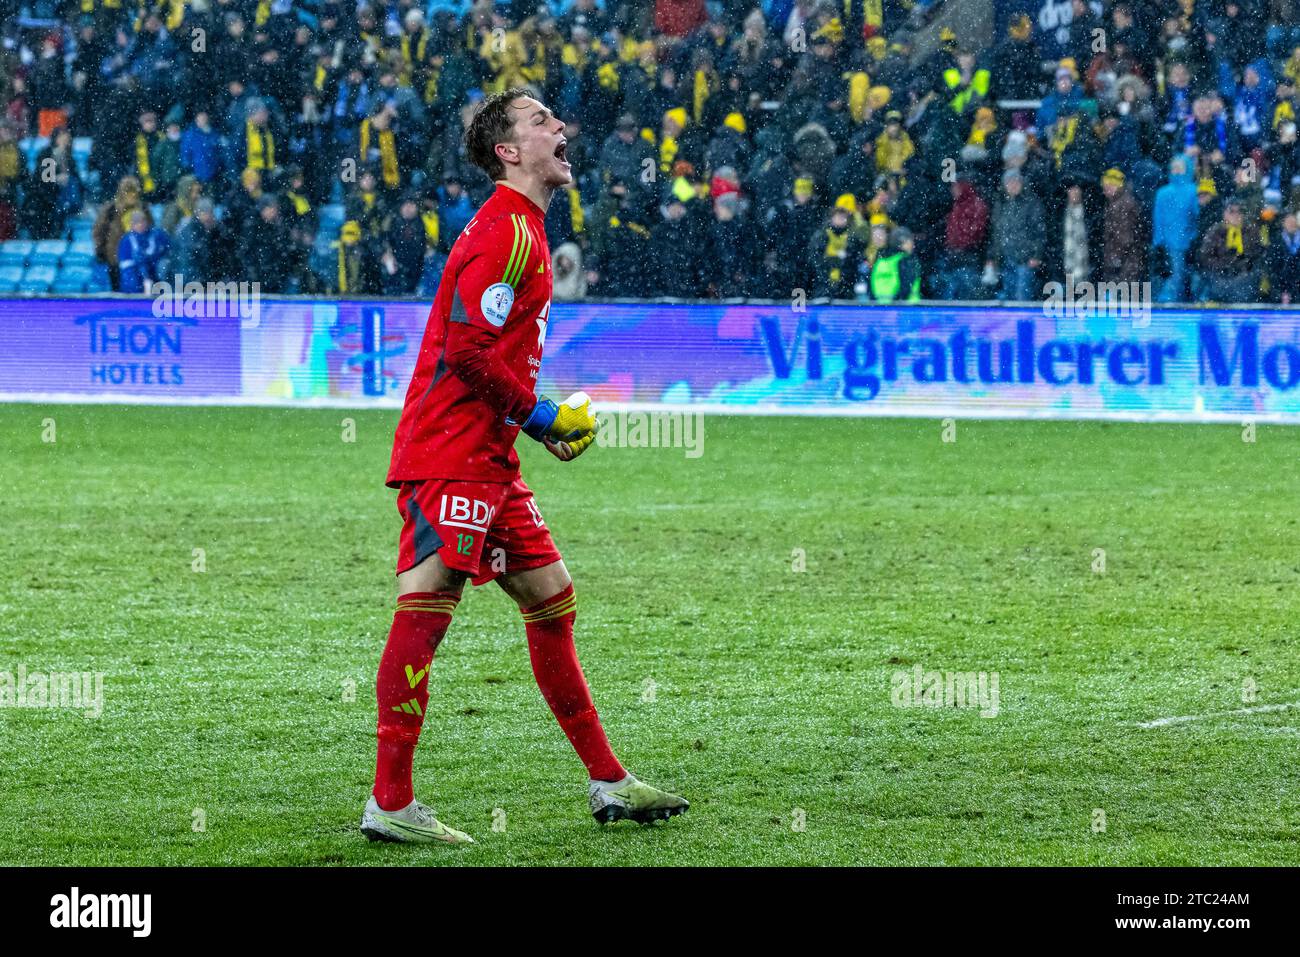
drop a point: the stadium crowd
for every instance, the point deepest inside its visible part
(720, 149)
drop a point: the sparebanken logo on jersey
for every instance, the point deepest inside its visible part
(462, 512)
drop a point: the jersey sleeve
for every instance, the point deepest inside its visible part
(485, 295)
(485, 287)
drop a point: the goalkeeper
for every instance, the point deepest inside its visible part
(466, 512)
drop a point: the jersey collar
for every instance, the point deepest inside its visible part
(515, 192)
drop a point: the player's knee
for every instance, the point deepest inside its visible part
(549, 604)
(536, 585)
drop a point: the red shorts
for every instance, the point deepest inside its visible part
(484, 529)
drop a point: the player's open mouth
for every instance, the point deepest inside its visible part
(560, 152)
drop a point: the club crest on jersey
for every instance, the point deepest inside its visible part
(496, 302)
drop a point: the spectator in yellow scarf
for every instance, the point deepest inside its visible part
(1230, 257)
(674, 123)
(146, 138)
(377, 146)
(258, 143)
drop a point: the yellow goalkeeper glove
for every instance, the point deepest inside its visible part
(565, 429)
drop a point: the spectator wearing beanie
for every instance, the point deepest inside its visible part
(676, 266)
(1017, 239)
(1065, 97)
(623, 156)
(731, 259)
(1123, 252)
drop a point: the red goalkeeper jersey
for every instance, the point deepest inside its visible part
(475, 377)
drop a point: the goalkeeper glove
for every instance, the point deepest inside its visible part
(565, 429)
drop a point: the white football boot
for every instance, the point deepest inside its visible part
(413, 824)
(632, 800)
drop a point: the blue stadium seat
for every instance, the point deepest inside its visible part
(81, 146)
(81, 229)
(47, 252)
(156, 210)
(99, 279)
(15, 252)
(80, 253)
(72, 280)
(37, 279)
(10, 276)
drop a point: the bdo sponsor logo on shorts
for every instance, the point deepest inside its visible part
(461, 511)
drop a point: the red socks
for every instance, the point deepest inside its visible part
(559, 676)
(402, 689)
(402, 686)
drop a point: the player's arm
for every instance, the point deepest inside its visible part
(480, 310)
(472, 355)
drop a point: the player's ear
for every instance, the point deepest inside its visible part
(507, 152)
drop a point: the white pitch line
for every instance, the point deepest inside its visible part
(1183, 719)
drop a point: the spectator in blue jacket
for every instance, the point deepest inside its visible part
(140, 254)
(152, 55)
(1282, 260)
(201, 149)
(1176, 104)
(454, 208)
(1066, 97)
(1253, 103)
(1174, 228)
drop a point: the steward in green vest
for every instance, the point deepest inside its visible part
(966, 83)
(897, 272)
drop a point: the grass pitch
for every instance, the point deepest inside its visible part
(761, 692)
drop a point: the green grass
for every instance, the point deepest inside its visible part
(224, 689)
